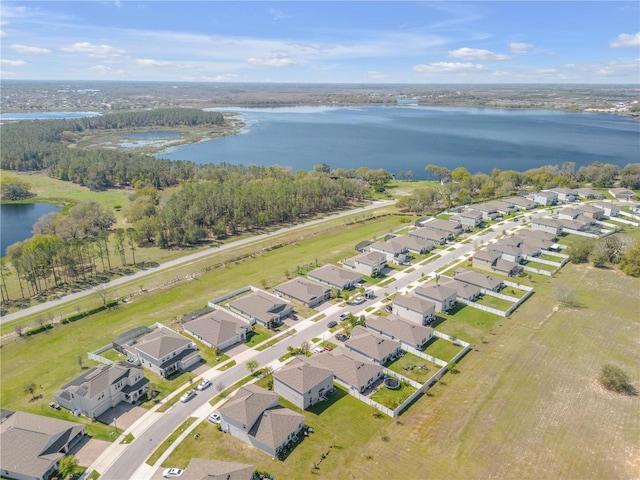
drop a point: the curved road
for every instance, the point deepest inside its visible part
(182, 260)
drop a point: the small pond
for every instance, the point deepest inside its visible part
(17, 221)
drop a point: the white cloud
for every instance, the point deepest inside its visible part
(448, 67)
(477, 55)
(3, 33)
(377, 75)
(101, 51)
(26, 50)
(518, 47)
(149, 62)
(225, 77)
(100, 68)
(276, 59)
(626, 40)
(13, 63)
(277, 14)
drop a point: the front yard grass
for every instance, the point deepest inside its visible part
(258, 335)
(153, 458)
(441, 349)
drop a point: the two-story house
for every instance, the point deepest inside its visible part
(404, 331)
(414, 308)
(371, 263)
(302, 382)
(377, 348)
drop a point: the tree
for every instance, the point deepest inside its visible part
(252, 365)
(566, 295)
(102, 292)
(305, 347)
(14, 188)
(79, 360)
(30, 388)
(613, 378)
(439, 172)
(630, 262)
(67, 466)
(132, 239)
(579, 252)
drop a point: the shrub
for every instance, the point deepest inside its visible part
(613, 378)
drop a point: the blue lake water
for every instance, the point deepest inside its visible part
(16, 221)
(410, 138)
(45, 115)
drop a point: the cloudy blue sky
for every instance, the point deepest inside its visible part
(328, 42)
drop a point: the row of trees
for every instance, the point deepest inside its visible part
(620, 250)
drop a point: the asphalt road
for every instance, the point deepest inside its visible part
(182, 260)
(125, 464)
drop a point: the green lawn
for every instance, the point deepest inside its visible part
(494, 302)
(258, 335)
(540, 266)
(467, 323)
(392, 398)
(414, 367)
(441, 349)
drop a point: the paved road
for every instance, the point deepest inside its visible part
(182, 260)
(129, 462)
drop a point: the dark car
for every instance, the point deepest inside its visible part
(342, 337)
(332, 324)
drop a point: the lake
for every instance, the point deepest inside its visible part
(45, 115)
(409, 138)
(17, 221)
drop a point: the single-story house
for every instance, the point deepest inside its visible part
(444, 298)
(262, 307)
(371, 263)
(449, 227)
(335, 277)
(103, 387)
(416, 309)
(415, 244)
(31, 446)
(349, 368)
(465, 291)
(623, 194)
(545, 197)
(162, 351)
(394, 250)
(546, 224)
(218, 329)
(397, 328)
(254, 416)
(521, 203)
(481, 280)
(304, 291)
(377, 348)
(201, 469)
(435, 236)
(302, 382)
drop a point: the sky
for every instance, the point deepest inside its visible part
(420, 42)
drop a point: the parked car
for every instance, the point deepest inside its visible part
(215, 418)
(358, 300)
(203, 384)
(344, 316)
(388, 308)
(357, 285)
(342, 337)
(318, 350)
(332, 324)
(328, 348)
(172, 472)
(188, 395)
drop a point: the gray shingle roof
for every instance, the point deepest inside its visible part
(371, 344)
(406, 331)
(349, 367)
(160, 343)
(248, 404)
(217, 327)
(260, 305)
(302, 375)
(464, 290)
(335, 275)
(99, 379)
(478, 279)
(303, 290)
(414, 303)
(275, 425)
(434, 291)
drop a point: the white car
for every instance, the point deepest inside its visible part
(186, 396)
(214, 418)
(172, 472)
(318, 350)
(358, 300)
(203, 384)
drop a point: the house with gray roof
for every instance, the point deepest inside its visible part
(465, 291)
(545, 197)
(446, 226)
(335, 277)
(404, 331)
(218, 329)
(351, 369)
(254, 416)
(371, 263)
(478, 279)
(623, 194)
(443, 297)
(592, 211)
(610, 209)
(521, 203)
(588, 193)
(564, 194)
(201, 469)
(162, 351)
(435, 236)
(31, 446)
(304, 291)
(103, 387)
(377, 348)
(547, 224)
(488, 210)
(262, 307)
(394, 250)
(508, 251)
(414, 308)
(302, 382)
(415, 244)
(468, 218)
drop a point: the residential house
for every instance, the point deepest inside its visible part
(218, 329)
(589, 193)
(451, 228)
(564, 194)
(201, 469)
(304, 291)
(31, 446)
(468, 218)
(465, 291)
(547, 224)
(262, 307)
(302, 382)
(349, 368)
(493, 261)
(254, 416)
(415, 244)
(371, 263)
(488, 210)
(397, 328)
(416, 309)
(507, 251)
(394, 250)
(610, 209)
(434, 236)
(444, 298)
(623, 194)
(103, 387)
(335, 277)
(503, 208)
(162, 351)
(486, 282)
(521, 203)
(545, 197)
(591, 211)
(377, 348)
